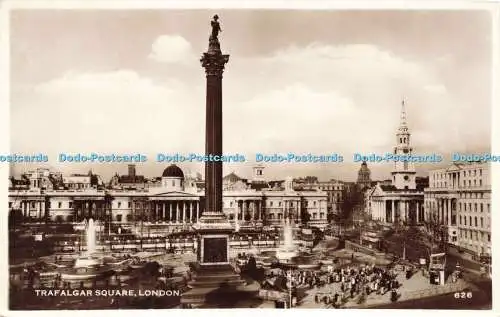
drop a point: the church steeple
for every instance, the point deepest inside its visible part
(403, 174)
(403, 113)
(403, 124)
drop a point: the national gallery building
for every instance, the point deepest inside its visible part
(167, 203)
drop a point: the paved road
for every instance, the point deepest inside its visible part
(447, 301)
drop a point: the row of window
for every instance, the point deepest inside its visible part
(471, 195)
(448, 176)
(34, 205)
(279, 216)
(330, 188)
(481, 207)
(467, 207)
(464, 222)
(129, 204)
(475, 235)
(444, 184)
(271, 203)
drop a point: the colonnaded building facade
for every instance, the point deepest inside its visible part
(402, 201)
(168, 203)
(459, 199)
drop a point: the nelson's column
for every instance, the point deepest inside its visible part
(215, 282)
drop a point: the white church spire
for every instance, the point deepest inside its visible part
(403, 174)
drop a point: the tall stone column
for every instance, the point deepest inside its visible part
(213, 227)
(214, 62)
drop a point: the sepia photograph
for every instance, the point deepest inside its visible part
(176, 158)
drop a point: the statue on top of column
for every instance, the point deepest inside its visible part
(215, 28)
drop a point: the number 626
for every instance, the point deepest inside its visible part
(463, 295)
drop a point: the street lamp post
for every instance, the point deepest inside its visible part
(290, 279)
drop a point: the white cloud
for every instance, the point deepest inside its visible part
(354, 94)
(319, 98)
(115, 111)
(172, 49)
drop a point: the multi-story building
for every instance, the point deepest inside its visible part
(364, 180)
(459, 198)
(402, 201)
(334, 189)
(176, 202)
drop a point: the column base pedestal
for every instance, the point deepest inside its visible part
(219, 286)
(215, 281)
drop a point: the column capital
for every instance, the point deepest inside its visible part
(214, 63)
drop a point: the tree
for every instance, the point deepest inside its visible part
(353, 200)
(437, 234)
(330, 217)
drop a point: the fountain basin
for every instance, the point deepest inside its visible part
(286, 255)
(88, 261)
(86, 274)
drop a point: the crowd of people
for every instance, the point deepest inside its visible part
(362, 280)
(349, 283)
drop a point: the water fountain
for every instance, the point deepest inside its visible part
(289, 256)
(89, 258)
(289, 250)
(89, 266)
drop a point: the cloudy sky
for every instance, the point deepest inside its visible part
(302, 81)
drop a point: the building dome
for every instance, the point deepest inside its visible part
(173, 171)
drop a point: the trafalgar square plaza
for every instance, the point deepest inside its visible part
(415, 238)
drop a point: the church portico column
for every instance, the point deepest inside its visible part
(443, 211)
(376, 206)
(191, 211)
(438, 211)
(449, 211)
(383, 211)
(377, 210)
(252, 207)
(393, 210)
(417, 216)
(197, 206)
